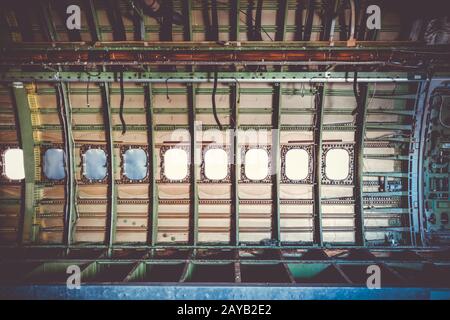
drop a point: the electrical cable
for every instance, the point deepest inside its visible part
(167, 89)
(122, 100)
(213, 98)
(245, 13)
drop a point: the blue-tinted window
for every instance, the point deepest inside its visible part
(95, 164)
(135, 164)
(54, 164)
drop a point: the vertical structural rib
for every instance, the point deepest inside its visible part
(193, 189)
(115, 18)
(234, 128)
(318, 106)
(138, 21)
(281, 20)
(47, 24)
(92, 19)
(187, 12)
(69, 206)
(112, 194)
(360, 120)
(152, 234)
(309, 21)
(23, 21)
(416, 197)
(27, 145)
(234, 20)
(193, 166)
(276, 115)
(275, 162)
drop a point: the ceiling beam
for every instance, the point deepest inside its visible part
(92, 19)
(115, 18)
(276, 162)
(152, 224)
(234, 169)
(227, 77)
(22, 107)
(64, 109)
(112, 189)
(173, 53)
(361, 95)
(234, 20)
(193, 167)
(317, 197)
(46, 22)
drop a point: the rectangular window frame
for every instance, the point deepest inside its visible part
(83, 150)
(162, 150)
(44, 178)
(204, 178)
(244, 178)
(123, 178)
(3, 178)
(309, 148)
(350, 148)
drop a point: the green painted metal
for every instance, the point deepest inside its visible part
(93, 21)
(188, 28)
(27, 144)
(318, 129)
(154, 200)
(385, 194)
(112, 188)
(283, 11)
(386, 174)
(194, 167)
(360, 134)
(380, 46)
(235, 170)
(436, 167)
(276, 162)
(47, 23)
(130, 76)
(234, 20)
(70, 189)
(386, 157)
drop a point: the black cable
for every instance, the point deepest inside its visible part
(213, 98)
(167, 89)
(122, 100)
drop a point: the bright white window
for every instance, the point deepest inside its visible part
(216, 164)
(175, 164)
(256, 164)
(337, 163)
(14, 167)
(297, 164)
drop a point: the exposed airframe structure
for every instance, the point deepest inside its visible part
(115, 123)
